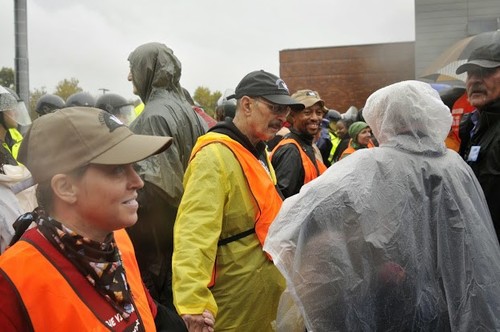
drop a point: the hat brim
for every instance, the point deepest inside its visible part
(285, 100)
(477, 63)
(310, 101)
(132, 149)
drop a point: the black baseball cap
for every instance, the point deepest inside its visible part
(260, 83)
(487, 56)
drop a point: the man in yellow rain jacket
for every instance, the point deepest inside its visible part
(230, 199)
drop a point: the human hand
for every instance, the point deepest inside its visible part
(392, 273)
(200, 323)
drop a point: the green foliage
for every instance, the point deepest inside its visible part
(66, 88)
(34, 96)
(207, 99)
(7, 77)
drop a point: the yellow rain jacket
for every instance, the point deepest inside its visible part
(335, 144)
(218, 204)
(16, 139)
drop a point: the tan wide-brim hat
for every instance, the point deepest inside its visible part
(74, 137)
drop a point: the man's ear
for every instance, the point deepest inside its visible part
(64, 188)
(246, 104)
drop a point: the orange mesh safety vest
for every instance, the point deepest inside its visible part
(53, 303)
(261, 183)
(310, 170)
(350, 149)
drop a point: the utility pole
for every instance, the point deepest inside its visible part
(104, 90)
(21, 60)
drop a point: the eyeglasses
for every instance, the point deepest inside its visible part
(482, 72)
(275, 108)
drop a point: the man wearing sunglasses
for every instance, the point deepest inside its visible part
(480, 130)
(294, 157)
(230, 199)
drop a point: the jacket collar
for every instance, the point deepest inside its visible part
(300, 137)
(228, 128)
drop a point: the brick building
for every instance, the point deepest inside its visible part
(345, 76)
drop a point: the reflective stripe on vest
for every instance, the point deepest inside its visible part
(53, 303)
(335, 143)
(310, 170)
(17, 138)
(261, 183)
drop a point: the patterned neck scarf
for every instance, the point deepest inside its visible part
(100, 263)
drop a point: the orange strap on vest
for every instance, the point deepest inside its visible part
(134, 279)
(261, 183)
(350, 149)
(72, 304)
(460, 107)
(310, 170)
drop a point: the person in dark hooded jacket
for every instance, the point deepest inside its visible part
(155, 73)
(480, 130)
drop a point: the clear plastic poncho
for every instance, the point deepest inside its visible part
(394, 238)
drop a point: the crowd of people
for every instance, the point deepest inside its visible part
(279, 214)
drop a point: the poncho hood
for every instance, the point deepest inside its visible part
(154, 66)
(409, 114)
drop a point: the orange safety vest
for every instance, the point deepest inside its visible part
(350, 149)
(57, 297)
(262, 184)
(310, 170)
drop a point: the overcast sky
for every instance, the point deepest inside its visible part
(217, 41)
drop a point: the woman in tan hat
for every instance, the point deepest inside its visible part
(76, 270)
